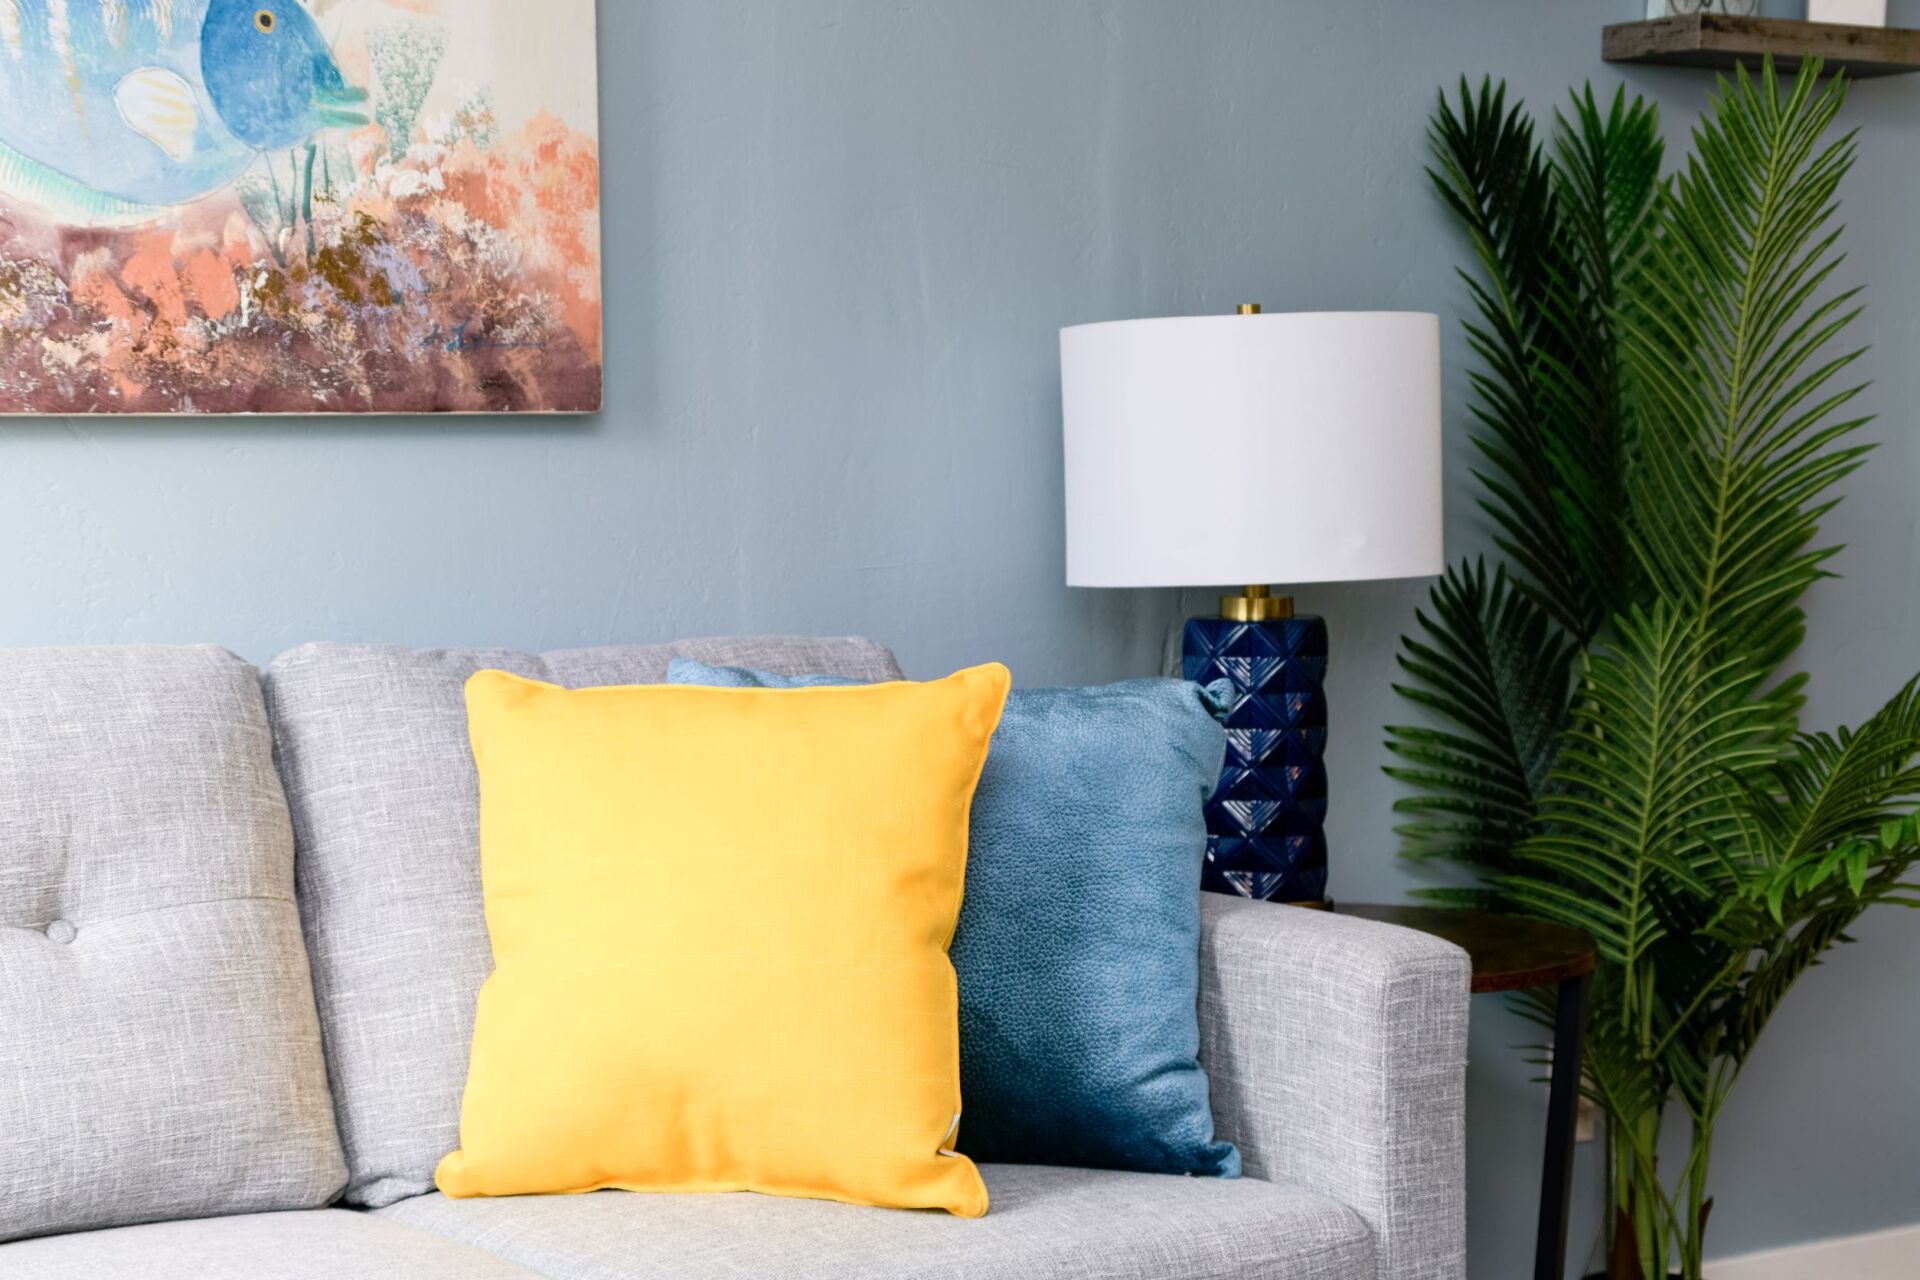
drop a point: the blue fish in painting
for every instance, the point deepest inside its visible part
(114, 110)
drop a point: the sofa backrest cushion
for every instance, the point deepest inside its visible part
(373, 747)
(159, 1052)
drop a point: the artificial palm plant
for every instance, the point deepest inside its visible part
(1663, 408)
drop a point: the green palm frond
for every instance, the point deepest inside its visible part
(1543, 225)
(1762, 990)
(1645, 782)
(1557, 232)
(1729, 354)
(1621, 1077)
(1850, 785)
(1607, 174)
(1492, 666)
(1836, 835)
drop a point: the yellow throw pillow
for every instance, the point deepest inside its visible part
(720, 922)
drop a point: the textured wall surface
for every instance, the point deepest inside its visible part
(840, 238)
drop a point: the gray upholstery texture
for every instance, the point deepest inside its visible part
(372, 744)
(1062, 1224)
(326, 1244)
(1337, 1049)
(159, 1052)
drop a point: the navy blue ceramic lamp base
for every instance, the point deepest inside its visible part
(1266, 826)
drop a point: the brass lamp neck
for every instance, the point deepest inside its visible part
(1256, 604)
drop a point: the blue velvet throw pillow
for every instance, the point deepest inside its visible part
(1079, 937)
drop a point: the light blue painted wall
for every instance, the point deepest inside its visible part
(840, 237)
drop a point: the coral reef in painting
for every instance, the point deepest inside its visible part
(417, 254)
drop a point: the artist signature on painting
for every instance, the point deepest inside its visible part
(464, 339)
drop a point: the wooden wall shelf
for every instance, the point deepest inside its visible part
(1719, 40)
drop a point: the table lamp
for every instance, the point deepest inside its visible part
(1257, 449)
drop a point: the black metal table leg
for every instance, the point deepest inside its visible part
(1563, 1112)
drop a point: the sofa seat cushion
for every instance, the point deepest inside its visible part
(324, 1244)
(372, 745)
(160, 1056)
(1044, 1222)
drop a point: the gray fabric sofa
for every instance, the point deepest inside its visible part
(240, 940)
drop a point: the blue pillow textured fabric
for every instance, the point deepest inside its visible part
(1079, 937)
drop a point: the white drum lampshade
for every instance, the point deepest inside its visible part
(1253, 449)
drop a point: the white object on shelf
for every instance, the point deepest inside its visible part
(1686, 8)
(1854, 13)
(1222, 450)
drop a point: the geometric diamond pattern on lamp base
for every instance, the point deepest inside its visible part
(1266, 826)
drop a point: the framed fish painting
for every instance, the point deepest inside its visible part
(278, 207)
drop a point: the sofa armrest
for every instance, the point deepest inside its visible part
(1337, 1051)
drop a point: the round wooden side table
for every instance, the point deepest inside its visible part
(1512, 953)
